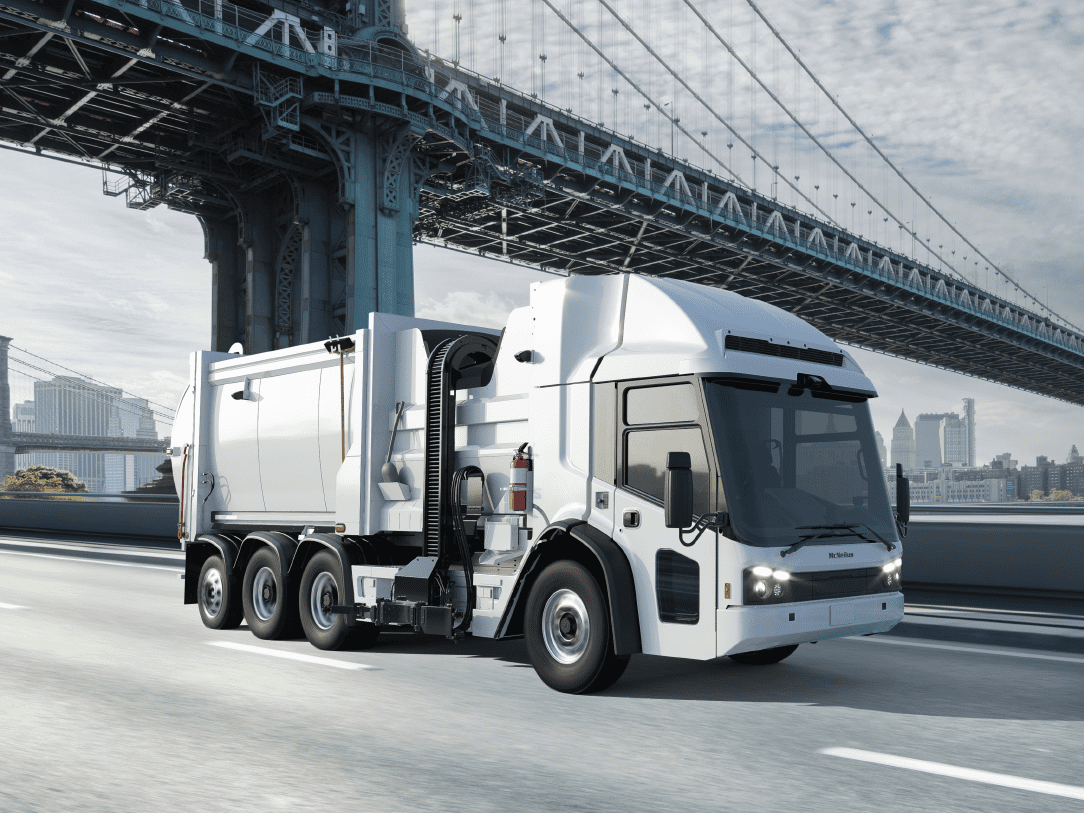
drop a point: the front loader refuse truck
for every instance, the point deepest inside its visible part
(633, 465)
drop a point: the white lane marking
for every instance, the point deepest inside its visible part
(956, 772)
(290, 656)
(67, 558)
(1003, 652)
(4, 606)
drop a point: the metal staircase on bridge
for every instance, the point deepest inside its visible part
(290, 131)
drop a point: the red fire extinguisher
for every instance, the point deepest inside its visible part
(521, 464)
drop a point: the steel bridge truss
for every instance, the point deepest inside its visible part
(314, 149)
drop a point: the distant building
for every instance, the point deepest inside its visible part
(1005, 460)
(969, 430)
(953, 436)
(882, 452)
(903, 443)
(928, 439)
(23, 421)
(1074, 456)
(950, 490)
(71, 406)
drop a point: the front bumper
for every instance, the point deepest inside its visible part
(746, 629)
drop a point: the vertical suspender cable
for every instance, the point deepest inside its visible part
(886, 159)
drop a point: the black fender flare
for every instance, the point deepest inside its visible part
(284, 546)
(339, 547)
(196, 553)
(611, 563)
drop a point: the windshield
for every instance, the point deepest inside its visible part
(794, 464)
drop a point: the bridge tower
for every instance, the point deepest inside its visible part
(303, 255)
(7, 447)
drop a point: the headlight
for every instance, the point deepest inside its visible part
(766, 585)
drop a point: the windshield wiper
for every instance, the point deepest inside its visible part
(848, 528)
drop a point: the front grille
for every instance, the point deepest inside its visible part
(842, 583)
(746, 344)
(821, 584)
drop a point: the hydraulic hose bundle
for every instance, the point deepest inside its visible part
(455, 498)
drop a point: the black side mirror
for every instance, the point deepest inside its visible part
(679, 490)
(903, 495)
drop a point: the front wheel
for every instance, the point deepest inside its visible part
(764, 657)
(567, 627)
(219, 605)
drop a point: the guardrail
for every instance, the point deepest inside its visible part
(97, 515)
(996, 549)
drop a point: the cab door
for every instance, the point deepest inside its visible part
(675, 583)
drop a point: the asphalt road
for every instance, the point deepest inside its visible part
(114, 697)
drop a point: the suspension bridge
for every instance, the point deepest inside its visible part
(317, 142)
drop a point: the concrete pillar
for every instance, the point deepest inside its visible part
(319, 215)
(380, 242)
(259, 245)
(7, 448)
(224, 256)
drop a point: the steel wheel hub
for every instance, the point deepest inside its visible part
(566, 627)
(322, 597)
(211, 592)
(264, 594)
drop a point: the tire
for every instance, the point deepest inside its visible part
(567, 627)
(219, 605)
(265, 597)
(322, 576)
(764, 657)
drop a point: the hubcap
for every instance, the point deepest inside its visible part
(211, 592)
(566, 628)
(264, 594)
(322, 597)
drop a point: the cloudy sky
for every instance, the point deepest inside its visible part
(981, 104)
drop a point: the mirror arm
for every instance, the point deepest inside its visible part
(702, 524)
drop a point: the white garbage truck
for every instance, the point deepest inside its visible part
(632, 465)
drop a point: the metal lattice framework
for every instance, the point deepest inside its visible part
(269, 121)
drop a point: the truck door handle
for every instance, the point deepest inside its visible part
(631, 519)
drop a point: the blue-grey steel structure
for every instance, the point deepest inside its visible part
(316, 144)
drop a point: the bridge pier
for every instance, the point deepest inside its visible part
(7, 447)
(302, 259)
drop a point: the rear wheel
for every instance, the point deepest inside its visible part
(320, 590)
(764, 657)
(219, 605)
(567, 627)
(263, 593)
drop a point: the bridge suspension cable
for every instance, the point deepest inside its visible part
(797, 122)
(166, 416)
(858, 129)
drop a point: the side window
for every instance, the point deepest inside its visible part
(670, 403)
(645, 462)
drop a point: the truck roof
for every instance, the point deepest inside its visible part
(622, 326)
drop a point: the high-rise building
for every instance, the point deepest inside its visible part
(903, 443)
(882, 453)
(71, 406)
(928, 452)
(969, 421)
(1073, 456)
(952, 435)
